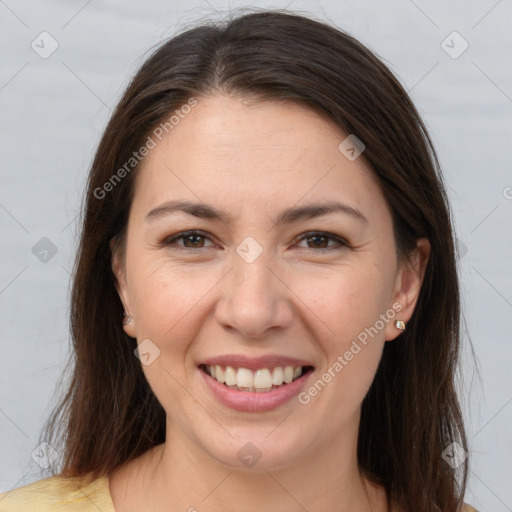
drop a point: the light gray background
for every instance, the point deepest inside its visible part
(53, 112)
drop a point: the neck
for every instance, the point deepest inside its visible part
(180, 474)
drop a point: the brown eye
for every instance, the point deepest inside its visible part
(191, 240)
(320, 240)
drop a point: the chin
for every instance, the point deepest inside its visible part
(257, 452)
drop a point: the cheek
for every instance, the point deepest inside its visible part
(344, 300)
(345, 306)
(170, 305)
(167, 299)
(353, 303)
(345, 310)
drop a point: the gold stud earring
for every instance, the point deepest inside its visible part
(399, 324)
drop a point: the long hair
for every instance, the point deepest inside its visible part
(411, 413)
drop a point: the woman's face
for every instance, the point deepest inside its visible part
(270, 281)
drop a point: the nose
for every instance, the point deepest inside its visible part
(254, 299)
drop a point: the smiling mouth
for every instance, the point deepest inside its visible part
(261, 380)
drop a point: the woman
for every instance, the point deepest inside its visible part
(265, 306)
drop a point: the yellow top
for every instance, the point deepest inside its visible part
(58, 494)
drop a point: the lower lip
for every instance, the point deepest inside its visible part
(248, 401)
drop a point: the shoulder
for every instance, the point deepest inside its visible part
(59, 494)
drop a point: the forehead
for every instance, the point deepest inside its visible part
(243, 154)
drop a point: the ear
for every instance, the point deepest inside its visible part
(408, 285)
(119, 270)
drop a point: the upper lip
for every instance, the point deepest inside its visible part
(254, 363)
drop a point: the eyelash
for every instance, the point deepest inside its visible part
(309, 234)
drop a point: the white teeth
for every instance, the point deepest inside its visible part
(244, 378)
(219, 373)
(230, 376)
(261, 380)
(288, 374)
(277, 376)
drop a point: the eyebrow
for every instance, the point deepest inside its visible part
(205, 211)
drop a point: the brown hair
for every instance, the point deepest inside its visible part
(411, 412)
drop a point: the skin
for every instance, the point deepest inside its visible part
(298, 298)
